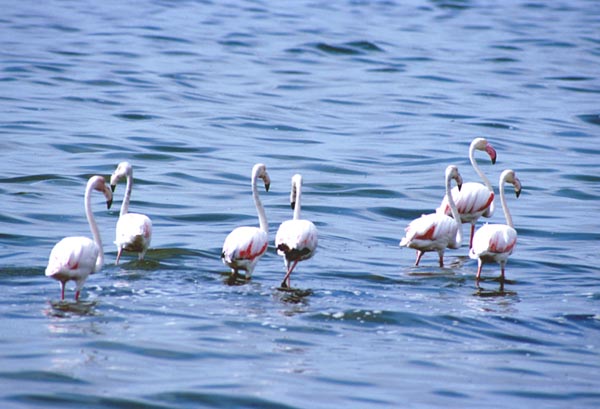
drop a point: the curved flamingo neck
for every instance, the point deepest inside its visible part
(128, 189)
(297, 199)
(486, 181)
(93, 226)
(262, 217)
(507, 215)
(453, 208)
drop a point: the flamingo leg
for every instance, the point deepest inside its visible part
(441, 255)
(419, 255)
(472, 234)
(77, 295)
(479, 267)
(119, 254)
(62, 290)
(286, 280)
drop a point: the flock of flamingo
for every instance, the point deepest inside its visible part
(75, 258)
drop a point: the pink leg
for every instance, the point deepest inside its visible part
(62, 290)
(419, 255)
(119, 254)
(480, 265)
(286, 280)
(76, 295)
(471, 239)
(441, 259)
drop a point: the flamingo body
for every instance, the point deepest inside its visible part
(296, 239)
(134, 230)
(133, 233)
(435, 231)
(496, 242)
(474, 199)
(244, 246)
(75, 258)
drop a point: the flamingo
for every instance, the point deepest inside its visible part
(474, 199)
(75, 258)
(134, 230)
(296, 239)
(495, 242)
(436, 231)
(244, 246)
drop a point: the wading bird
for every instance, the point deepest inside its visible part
(75, 258)
(474, 199)
(296, 239)
(244, 246)
(134, 230)
(495, 242)
(436, 231)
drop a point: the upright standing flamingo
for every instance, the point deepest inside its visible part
(296, 239)
(134, 230)
(436, 231)
(495, 242)
(74, 258)
(244, 246)
(474, 199)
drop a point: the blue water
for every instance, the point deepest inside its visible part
(370, 101)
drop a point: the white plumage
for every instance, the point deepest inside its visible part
(244, 246)
(134, 230)
(75, 258)
(496, 242)
(474, 199)
(436, 231)
(296, 239)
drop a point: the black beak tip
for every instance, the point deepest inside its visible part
(109, 203)
(267, 186)
(112, 188)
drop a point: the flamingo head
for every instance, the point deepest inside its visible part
(511, 177)
(296, 184)
(98, 183)
(260, 171)
(123, 170)
(481, 144)
(452, 173)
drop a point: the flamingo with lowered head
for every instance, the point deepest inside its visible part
(134, 230)
(244, 246)
(495, 242)
(474, 199)
(436, 231)
(75, 258)
(296, 239)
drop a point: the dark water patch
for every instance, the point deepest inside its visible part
(451, 116)
(581, 90)
(134, 116)
(81, 401)
(42, 376)
(576, 194)
(333, 169)
(166, 39)
(349, 48)
(145, 351)
(338, 101)
(495, 125)
(593, 119)
(501, 60)
(184, 399)
(437, 78)
(550, 396)
(102, 83)
(92, 100)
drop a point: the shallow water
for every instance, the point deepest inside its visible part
(369, 101)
